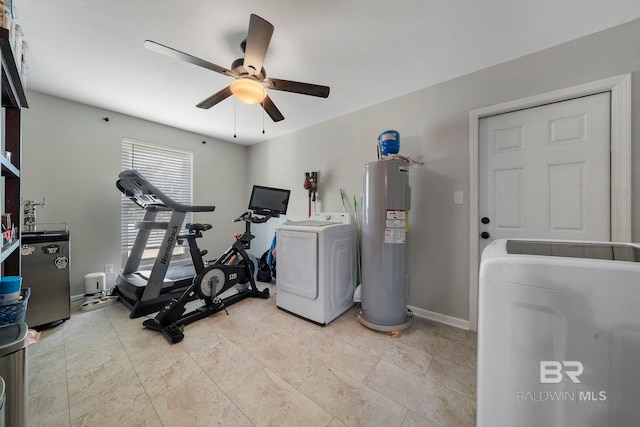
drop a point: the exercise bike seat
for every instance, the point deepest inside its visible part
(197, 227)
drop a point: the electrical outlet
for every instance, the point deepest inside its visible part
(108, 268)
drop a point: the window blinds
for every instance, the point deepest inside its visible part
(169, 169)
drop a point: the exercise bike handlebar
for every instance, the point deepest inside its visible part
(146, 195)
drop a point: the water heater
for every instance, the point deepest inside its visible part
(385, 225)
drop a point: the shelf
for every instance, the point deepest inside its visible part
(13, 94)
(8, 249)
(8, 169)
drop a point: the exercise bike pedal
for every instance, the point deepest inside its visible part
(220, 305)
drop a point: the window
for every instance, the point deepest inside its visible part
(169, 169)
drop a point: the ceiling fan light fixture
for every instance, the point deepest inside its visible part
(248, 91)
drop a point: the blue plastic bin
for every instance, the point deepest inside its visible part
(14, 313)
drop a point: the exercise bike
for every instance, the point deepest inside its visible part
(233, 268)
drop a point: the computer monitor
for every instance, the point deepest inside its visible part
(269, 201)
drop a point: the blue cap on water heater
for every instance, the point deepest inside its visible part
(389, 142)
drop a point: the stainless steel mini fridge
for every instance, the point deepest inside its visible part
(45, 269)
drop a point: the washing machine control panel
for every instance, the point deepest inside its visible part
(343, 217)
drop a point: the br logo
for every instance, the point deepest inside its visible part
(551, 371)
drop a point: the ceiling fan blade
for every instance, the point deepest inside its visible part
(169, 51)
(297, 87)
(215, 98)
(271, 109)
(258, 39)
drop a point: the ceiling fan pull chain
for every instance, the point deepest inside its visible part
(263, 116)
(235, 118)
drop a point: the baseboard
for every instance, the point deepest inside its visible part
(418, 312)
(77, 299)
(442, 318)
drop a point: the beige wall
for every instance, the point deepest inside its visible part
(72, 157)
(434, 128)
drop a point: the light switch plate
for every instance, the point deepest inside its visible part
(458, 198)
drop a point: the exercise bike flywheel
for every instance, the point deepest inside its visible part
(211, 282)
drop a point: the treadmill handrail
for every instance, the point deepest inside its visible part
(133, 185)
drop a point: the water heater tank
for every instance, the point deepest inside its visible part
(385, 225)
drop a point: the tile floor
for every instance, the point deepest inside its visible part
(258, 366)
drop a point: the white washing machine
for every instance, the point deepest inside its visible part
(316, 273)
(559, 334)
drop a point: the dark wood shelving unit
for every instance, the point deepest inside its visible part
(13, 100)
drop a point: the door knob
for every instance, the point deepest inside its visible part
(485, 235)
(485, 220)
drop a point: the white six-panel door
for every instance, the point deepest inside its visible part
(619, 88)
(544, 172)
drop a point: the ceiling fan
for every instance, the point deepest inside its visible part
(251, 81)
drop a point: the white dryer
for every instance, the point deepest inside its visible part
(316, 273)
(558, 334)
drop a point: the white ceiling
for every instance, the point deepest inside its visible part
(367, 51)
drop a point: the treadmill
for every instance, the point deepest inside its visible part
(145, 292)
